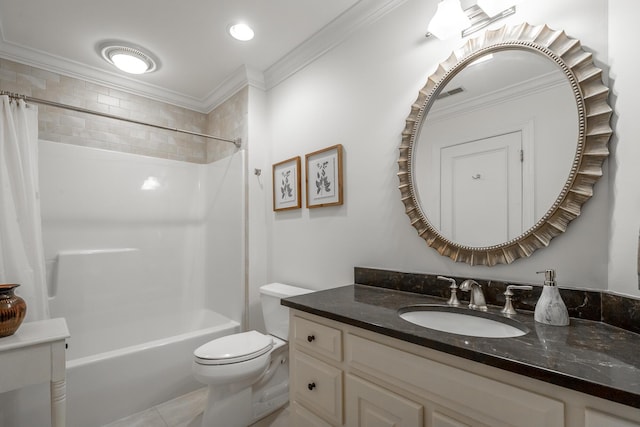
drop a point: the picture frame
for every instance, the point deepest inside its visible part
(323, 177)
(287, 185)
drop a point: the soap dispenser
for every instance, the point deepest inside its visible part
(550, 308)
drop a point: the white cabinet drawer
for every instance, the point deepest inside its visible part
(485, 400)
(317, 386)
(321, 339)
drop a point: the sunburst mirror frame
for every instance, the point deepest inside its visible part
(594, 132)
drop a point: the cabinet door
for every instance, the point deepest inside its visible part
(595, 418)
(442, 420)
(486, 401)
(369, 405)
(301, 417)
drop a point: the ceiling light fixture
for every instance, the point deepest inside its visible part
(241, 32)
(128, 58)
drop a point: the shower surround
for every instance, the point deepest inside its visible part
(145, 260)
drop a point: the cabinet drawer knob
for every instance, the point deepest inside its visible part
(311, 338)
(311, 386)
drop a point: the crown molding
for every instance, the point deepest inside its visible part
(243, 76)
(363, 13)
(56, 64)
(359, 15)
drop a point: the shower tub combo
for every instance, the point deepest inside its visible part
(130, 347)
(143, 274)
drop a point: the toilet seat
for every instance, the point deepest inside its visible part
(234, 348)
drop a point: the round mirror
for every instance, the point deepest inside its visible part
(504, 144)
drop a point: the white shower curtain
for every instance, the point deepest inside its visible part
(21, 248)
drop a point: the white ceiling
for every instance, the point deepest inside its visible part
(200, 64)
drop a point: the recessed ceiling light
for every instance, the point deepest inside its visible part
(241, 32)
(129, 59)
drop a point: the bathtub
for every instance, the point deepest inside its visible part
(109, 385)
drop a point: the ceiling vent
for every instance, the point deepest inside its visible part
(448, 93)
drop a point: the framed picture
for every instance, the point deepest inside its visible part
(286, 185)
(324, 177)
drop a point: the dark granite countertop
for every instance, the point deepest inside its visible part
(587, 356)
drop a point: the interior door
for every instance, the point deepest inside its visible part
(481, 190)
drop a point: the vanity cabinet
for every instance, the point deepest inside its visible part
(342, 375)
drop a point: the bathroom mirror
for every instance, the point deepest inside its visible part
(504, 144)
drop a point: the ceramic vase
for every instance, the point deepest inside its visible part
(12, 310)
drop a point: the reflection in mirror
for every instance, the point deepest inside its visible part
(504, 144)
(492, 153)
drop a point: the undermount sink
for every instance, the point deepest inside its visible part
(462, 321)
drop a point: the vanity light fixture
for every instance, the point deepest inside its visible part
(448, 20)
(128, 58)
(241, 32)
(447, 23)
(494, 7)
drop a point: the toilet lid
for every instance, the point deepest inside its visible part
(234, 348)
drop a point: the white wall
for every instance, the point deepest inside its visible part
(623, 165)
(258, 206)
(359, 95)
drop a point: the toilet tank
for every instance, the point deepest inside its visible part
(276, 316)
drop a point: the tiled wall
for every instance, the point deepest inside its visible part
(229, 120)
(66, 126)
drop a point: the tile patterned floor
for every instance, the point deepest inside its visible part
(186, 411)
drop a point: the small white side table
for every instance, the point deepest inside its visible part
(36, 354)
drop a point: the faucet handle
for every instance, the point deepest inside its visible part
(453, 299)
(449, 279)
(508, 305)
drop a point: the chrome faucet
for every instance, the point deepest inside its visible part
(476, 298)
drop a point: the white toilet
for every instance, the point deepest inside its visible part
(248, 373)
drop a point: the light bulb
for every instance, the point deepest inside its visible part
(241, 32)
(129, 63)
(449, 20)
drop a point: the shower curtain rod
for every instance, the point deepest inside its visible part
(236, 142)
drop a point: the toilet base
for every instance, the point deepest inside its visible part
(272, 391)
(229, 406)
(229, 410)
